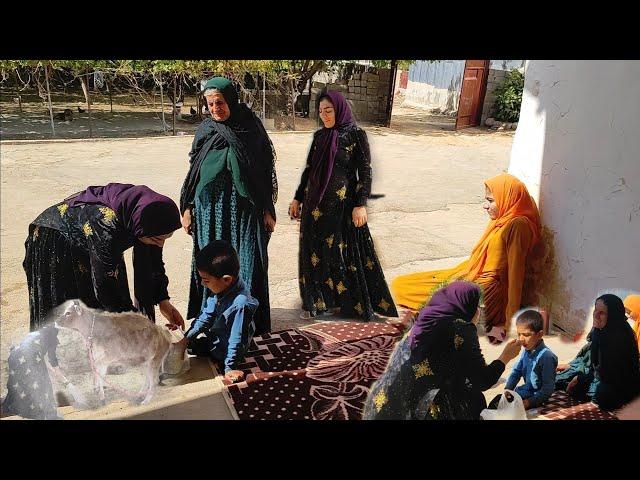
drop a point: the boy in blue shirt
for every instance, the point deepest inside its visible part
(227, 317)
(536, 365)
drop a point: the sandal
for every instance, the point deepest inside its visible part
(496, 335)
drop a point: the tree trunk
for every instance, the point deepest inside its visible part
(164, 124)
(46, 76)
(110, 96)
(174, 105)
(19, 96)
(264, 96)
(293, 103)
(84, 80)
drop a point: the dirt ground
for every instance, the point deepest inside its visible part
(428, 178)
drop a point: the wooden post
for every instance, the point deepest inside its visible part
(392, 86)
(46, 76)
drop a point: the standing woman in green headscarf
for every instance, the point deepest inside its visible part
(230, 192)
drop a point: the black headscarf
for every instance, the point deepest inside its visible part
(616, 320)
(615, 343)
(244, 133)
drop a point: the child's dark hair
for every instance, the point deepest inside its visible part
(218, 258)
(531, 319)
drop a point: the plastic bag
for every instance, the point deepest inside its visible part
(510, 407)
(174, 363)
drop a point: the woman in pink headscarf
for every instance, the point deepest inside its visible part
(338, 266)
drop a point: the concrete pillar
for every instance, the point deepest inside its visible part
(577, 148)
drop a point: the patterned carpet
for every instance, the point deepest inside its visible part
(562, 407)
(324, 372)
(320, 372)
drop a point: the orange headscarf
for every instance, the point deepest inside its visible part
(632, 302)
(513, 200)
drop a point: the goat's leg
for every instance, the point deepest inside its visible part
(153, 372)
(101, 374)
(151, 376)
(142, 393)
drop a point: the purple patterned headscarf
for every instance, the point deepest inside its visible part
(144, 212)
(325, 153)
(458, 300)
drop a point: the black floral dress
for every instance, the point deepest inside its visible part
(77, 252)
(441, 379)
(29, 389)
(338, 266)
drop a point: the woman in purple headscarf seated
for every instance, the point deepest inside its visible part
(437, 371)
(338, 266)
(75, 250)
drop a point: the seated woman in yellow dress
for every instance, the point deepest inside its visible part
(497, 262)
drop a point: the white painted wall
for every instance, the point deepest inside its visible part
(507, 65)
(577, 148)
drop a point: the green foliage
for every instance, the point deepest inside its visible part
(276, 71)
(509, 98)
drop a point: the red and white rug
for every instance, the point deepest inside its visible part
(319, 372)
(562, 407)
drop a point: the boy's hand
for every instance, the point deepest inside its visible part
(182, 344)
(562, 367)
(234, 376)
(525, 403)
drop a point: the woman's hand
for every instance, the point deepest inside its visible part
(510, 351)
(359, 216)
(172, 314)
(186, 221)
(269, 221)
(572, 384)
(294, 210)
